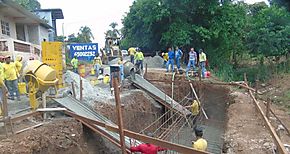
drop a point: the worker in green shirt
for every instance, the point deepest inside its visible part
(139, 57)
(75, 63)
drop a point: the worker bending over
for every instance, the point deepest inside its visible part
(194, 110)
(192, 60)
(202, 60)
(10, 74)
(75, 63)
(139, 57)
(200, 143)
(165, 58)
(147, 148)
(132, 52)
(170, 60)
(97, 65)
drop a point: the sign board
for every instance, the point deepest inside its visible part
(84, 51)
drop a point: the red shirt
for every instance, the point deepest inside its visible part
(147, 149)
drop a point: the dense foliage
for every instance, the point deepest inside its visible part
(30, 5)
(230, 32)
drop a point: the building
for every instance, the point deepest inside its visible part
(50, 15)
(21, 32)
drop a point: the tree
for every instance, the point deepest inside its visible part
(113, 32)
(85, 35)
(30, 5)
(60, 38)
(73, 39)
(283, 3)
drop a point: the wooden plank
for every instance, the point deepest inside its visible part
(25, 116)
(119, 113)
(32, 127)
(140, 137)
(51, 109)
(274, 135)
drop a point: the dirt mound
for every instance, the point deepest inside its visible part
(90, 93)
(58, 136)
(153, 62)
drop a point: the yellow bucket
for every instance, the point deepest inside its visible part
(22, 87)
(92, 71)
(106, 79)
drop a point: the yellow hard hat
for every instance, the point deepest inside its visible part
(19, 58)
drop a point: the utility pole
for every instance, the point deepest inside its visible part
(118, 109)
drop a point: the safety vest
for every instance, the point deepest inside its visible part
(202, 57)
(74, 62)
(139, 56)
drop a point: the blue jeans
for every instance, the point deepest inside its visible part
(178, 63)
(75, 70)
(139, 64)
(12, 86)
(191, 62)
(202, 65)
(97, 69)
(170, 62)
(132, 59)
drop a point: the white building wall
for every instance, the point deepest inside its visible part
(45, 15)
(12, 28)
(33, 32)
(43, 34)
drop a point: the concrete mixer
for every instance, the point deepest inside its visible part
(39, 78)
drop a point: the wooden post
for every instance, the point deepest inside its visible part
(73, 89)
(5, 104)
(146, 67)
(44, 103)
(81, 89)
(119, 111)
(268, 109)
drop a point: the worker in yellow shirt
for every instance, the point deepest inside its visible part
(75, 63)
(202, 60)
(200, 143)
(10, 74)
(165, 58)
(132, 52)
(194, 110)
(97, 65)
(18, 64)
(139, 57)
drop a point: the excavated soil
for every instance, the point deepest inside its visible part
(137, 107)
(60, 136)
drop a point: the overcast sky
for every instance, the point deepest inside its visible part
(97, 14)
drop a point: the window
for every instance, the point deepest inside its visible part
(5, 28)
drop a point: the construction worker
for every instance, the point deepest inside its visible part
(165, 58)
(120, 62)
(200, 143)
(202, 60)
(3, 89)
(139, 57)
(97, 65)
(10, 74)
(132, 52)
(170, 60)
(75, 63)
(147, 148)
(178, 55)
(194, 110)
(18, 64)
(192, 60)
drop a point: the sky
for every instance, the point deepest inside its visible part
(97, 14)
